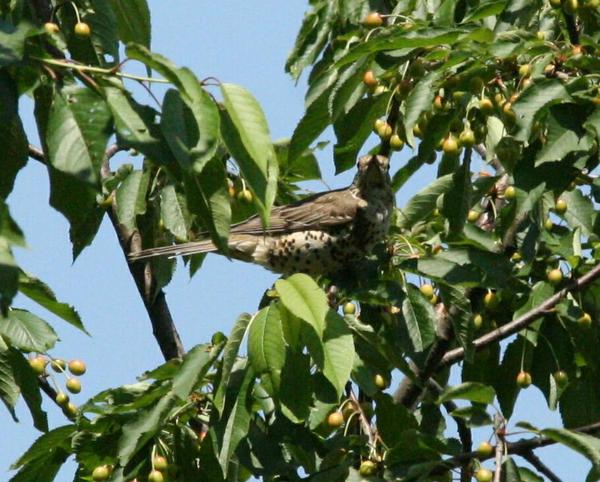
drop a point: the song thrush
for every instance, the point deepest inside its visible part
(320, 234)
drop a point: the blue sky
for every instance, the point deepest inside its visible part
(240, 42)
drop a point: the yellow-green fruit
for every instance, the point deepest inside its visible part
(510, 193)
(438, 102)
(245, 195)
(473, 215)
(490, 300)
(73, 385)
(62, 398)
(160, 462)
(349, 308)
(516, 257)
(560, 207)
(523, 379)
(385, 131)
(82, 29)
(433, 300)
(38, 364)
(373, 20)
(467, 138)
(485, 449)
(370, 80)
(540, 35)
(377, 124)
(561, 378)
(58, 365)
(367, 467)
(335, 419)
(71, 409)
(555, 276)
(477, 321)
(380, 382)
(450, 146)
(396, 143)
(51, 27)
(427, 290)
(556, 3)
(100, 473)
(585, 320)
(484, 475)
(417, 131)
(486, 106)
(548, 224)
(525, 70)
(156, 476)
(77, 367)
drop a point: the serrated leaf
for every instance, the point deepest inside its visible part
(305, 299)
(133, 21)
(353, 129)
(190, 127)
(586, 445)
(457, 200)
(533, 100)
(230, 353)
(41, 293)
(420, 319)
(266, 345)
(9, 390)
(148, 422)
(460, 317)
(131, 197)
(27, 332)
(257, 159)
(581, 212)
(420, 98)
(9, 276)
(174, 212)
(424, 202)
(79, 126)
(56, 439)
(472, 391)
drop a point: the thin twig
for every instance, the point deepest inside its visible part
(524, 320)
(500, 447)
(36, 153)
(540, 466)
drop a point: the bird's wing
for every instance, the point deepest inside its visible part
(323, 210)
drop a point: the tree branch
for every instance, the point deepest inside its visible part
(524, 320)
(540, 466)
(155, 301)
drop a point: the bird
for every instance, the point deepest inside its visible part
(320, 234)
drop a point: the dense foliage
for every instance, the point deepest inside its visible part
(502, 96)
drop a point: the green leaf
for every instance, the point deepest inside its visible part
(27, 332)
(174, 212)
(41, 293)
(353, 129)
(420, 319)
(12, 39)
(190, 127)
(136, 128)
(208, 198)
(9, 390)
(79, 126)
(311, 39)
(333, 349)
(586, 445)
(313, 123)
(237, 422)
(581, 212)
(424, 202)
(9, 276)
(565, 134)
(461, 316)
(457, 200)
(230, 354)
(131, 197)
(137, 432)
(133, 21)
(295, 393)
(55, 440)
(420, 98)
(13, 148)
(42, 469)
(305, 299)
(487, 9)
(528, 107)
(472, 391)
(249, 141)
(266, 345)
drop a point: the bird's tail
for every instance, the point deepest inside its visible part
(185, 249)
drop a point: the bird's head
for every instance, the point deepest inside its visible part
(373, 171)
